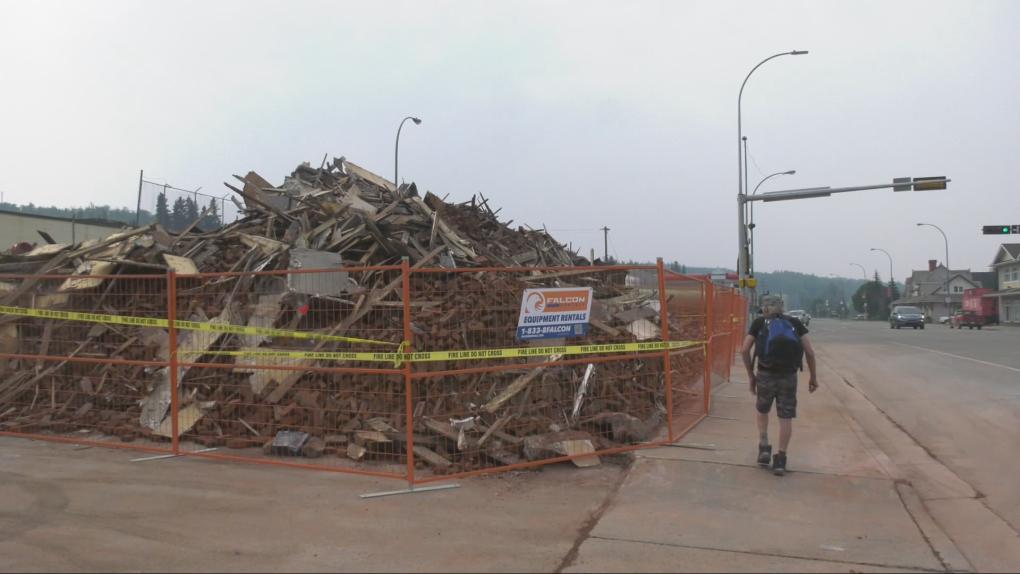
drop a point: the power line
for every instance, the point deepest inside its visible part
(756, 164)
(617, 255)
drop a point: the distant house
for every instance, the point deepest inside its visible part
(927, 290)
(1007, 266)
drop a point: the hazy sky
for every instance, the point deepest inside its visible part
(573, 115)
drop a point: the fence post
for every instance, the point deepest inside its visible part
(709, 335)
(405, 274)
(171, 278)
(730, 321)
(664, 318)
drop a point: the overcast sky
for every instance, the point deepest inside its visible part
(572, 115)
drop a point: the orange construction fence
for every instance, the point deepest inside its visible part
(419, 374)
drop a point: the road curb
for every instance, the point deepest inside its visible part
(945, 550)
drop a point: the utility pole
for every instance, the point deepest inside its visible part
(138, 209)
(606, 238)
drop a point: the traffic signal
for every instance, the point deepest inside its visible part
(1002, 229)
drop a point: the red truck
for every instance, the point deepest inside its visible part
(978, 310)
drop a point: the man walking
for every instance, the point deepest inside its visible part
(780, 346)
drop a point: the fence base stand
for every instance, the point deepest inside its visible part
(409, 490)
(165, 456)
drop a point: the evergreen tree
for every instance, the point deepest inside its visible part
(162, 210)
(190, 211)
(894, 289)
(179, 215)
(212, 221)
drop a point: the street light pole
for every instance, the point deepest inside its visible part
(741, 191)
(948, 299)
(865, 272)
(842, 289)
(891, 280)
(396, 152)
(751, 224)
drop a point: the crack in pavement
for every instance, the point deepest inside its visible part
(771, 555)
(593, 521)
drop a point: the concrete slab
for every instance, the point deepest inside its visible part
(818, 450)
(94, 511)
(985, 539)
(740, 509)
(933, 481)
(945, 550)
(601, 555)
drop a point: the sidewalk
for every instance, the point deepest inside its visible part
(840, 508)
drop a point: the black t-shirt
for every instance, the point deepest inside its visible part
(759, 325)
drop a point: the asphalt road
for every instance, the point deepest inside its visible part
(957, 393)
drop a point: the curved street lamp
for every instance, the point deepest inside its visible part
(396, 152)
(891, 280)
(865, 272)
(948, 299)
(751, 223)
(742, 239)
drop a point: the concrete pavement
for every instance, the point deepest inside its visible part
(862, 496)
(843, 507)
(944, 405)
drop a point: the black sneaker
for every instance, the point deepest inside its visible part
(779, 464)
(764, 454)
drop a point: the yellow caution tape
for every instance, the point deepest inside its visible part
(266, 332)
(86, 317)
(397, 358)
(432, 356)
(183, 325)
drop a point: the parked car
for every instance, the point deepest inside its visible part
(804, 317)
(943, 320)
(969, 319)
(906, 317)
(859, 317)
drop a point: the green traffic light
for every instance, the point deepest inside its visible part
(1005, 230)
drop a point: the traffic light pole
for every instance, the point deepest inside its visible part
(743, 199)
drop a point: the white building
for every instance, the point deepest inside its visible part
(1007, 265)
(16, 227)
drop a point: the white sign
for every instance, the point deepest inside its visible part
(554, 313)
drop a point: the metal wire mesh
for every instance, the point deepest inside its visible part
(76, 380)
(306, 367)
(270, 397)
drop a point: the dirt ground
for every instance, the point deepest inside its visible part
(94, 510)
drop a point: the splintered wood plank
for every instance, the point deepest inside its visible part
(262, 377)
(519, 385)
(187, 418)
(199, 341)
(182, 265)
(266, 312)
(88, 268)
(429, 456)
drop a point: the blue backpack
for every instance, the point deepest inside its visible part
(778, 346)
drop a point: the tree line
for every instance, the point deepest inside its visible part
(174, 218)
(184, 212)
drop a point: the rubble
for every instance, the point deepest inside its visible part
(335, 217)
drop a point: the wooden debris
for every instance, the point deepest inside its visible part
(342, 217)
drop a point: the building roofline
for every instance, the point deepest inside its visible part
(98, 222)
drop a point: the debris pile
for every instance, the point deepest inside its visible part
(339, 218)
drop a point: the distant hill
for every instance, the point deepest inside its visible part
(802, 290)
